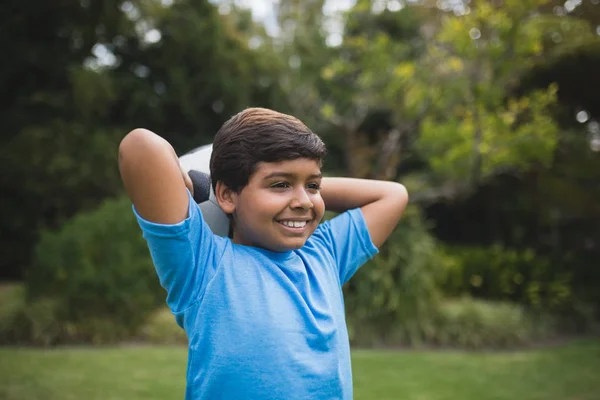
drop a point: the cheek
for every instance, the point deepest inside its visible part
(267, 207)
(319, 204)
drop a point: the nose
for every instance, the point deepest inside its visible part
(301, 200)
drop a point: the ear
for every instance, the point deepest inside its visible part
(226, 198)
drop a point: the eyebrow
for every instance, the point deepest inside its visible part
(290, 175)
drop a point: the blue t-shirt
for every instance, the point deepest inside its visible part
(260, 324)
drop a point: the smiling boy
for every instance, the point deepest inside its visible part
(263, 310)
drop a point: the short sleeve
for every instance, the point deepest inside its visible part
(347, 237)
(185, 255)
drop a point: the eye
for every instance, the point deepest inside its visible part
(280, 185)
(314, 186)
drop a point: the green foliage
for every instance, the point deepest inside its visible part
(476, 324)
(499, 273)
(41, 318)
(161, 328)
(101, 78)
(46, 117)
(396, 292)
(93, 92)
(12, 303)
(520, 135)
(22, 322)
(98, 270)
(417, 91)
(41, 322)
(373, 72)
(397, 298)
(479, 127)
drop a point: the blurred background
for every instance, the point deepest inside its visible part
(488, 111)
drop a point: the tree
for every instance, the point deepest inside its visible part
(42, 81)
(370, 108)
(96, 71)
(452, 106)
(479, 129)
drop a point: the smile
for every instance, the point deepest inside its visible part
(294, 225)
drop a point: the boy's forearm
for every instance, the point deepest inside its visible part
(341, 194)
(382, 203)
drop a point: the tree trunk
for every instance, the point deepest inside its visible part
(477, 139)
(387, 162)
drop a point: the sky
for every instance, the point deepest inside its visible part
(263, 9)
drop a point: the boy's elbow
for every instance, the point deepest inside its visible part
(137, 143)
(135, 149)
(134, 140)
(399, 193)
(398, 200)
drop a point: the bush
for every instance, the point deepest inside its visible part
(475, 324)
(161, 328)
(98, 272)
(23, 322)
(393, 298)
(39, 323)
(12, 304)
(397, 299)
(504, 274)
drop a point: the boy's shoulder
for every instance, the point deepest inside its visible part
(337, 228)
(344, 219)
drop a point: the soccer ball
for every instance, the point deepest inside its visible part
(197, 164)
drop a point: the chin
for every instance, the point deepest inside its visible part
(298, 246)
(289, 246)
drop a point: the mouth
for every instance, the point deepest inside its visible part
(294, 225)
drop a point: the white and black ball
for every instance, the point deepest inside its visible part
(197, 164)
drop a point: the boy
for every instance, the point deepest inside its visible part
(263, 310)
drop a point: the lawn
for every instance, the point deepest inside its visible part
(568, 372)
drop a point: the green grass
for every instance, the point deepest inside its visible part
(569, 372)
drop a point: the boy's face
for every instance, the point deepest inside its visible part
(280, 207)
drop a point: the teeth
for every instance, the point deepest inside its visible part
(294, 224)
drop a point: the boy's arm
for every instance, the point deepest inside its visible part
(153, 178)
(382, 203)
